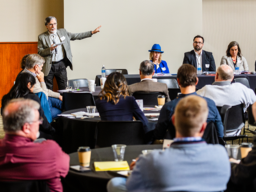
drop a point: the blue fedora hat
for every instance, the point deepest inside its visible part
(156, 48)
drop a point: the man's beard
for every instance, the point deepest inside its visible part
(197, 48)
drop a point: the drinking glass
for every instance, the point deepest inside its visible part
(91, 111)
(76, 85)
(119, 151)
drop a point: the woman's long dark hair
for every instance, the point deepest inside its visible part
(20, 88)
(115, 86)
(232, 44)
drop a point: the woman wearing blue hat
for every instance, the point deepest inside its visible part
(160, 66)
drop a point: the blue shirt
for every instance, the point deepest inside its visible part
(163, 67)
(165, 122)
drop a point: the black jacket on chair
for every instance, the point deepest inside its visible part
(207, 58)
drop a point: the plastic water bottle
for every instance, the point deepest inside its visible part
(103, 71)
(199, 70)
(237, 70)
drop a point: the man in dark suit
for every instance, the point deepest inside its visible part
(201, 60)
(54, 46)
(147, 84)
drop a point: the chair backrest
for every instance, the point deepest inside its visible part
(149, 98)
(171, 83)
(232, 117)
(173, 93)
(243, 80)
(119, 132)
(251, 120)
(24, 186)
(77, 100)
(82, 82)
(108, 71)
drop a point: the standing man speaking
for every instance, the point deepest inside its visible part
(54, 46)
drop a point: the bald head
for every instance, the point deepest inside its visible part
(18, 112)
(224, 73)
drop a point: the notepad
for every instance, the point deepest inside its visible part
(111, 166)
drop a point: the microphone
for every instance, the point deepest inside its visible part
(56, 47)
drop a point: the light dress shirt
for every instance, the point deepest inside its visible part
(199, 60)
(59, 54)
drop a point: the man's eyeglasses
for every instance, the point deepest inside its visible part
(198, 42)
(40, 120)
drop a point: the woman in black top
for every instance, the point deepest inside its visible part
(23, 88)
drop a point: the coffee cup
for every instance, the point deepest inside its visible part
(245, 149)
(102, 82)
(161, 100)
(84, 155)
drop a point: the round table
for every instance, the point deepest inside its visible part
(97, 181)
(74, 133)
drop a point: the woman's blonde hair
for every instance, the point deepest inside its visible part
(115, 86)
(151, 56)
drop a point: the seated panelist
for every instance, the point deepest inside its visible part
(234, 57)
(160, 66)
(198, 57)
(115, 104)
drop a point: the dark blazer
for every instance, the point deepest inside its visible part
(207, 58)
(124, 110)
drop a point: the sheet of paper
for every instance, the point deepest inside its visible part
(93, 114)
(167, 143)
(78, 114)
(111, 166)
(151, 114)
(65, 115)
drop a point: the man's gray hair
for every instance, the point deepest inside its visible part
(32, 60)
(146, 67)
(18, 112)
(48, 19)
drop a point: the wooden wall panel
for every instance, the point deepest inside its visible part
(11, 54)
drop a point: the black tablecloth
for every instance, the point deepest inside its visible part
(203, 79)
(97, 181)
(81, 132)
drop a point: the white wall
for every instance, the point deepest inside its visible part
(129, 29)
(23, 20)
(230, 20)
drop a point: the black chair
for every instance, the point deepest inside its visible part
(244, 81)
(77, 100)
(149, 98)
(251, 120)
(211, 136)
(173, 92)
(119, 132)
(82, 82)
(24, 186)
(171, 83)
(233, 121)
(124, 71)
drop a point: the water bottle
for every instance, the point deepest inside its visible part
(103, 71)
(237, 70)
(199, 70)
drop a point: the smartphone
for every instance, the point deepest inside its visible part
(80, 168)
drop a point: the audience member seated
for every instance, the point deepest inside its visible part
(187, 80)
(190, 164)
(115, 104)
(147, 84)
(155, 56)
(234, 57)
(223, 92)
(23, 159)
(23, 88)
(34, 64)
(198, 57)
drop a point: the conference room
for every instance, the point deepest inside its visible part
(101, 94)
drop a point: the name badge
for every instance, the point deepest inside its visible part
(163, 68)
(62, 38)
(207, 65)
